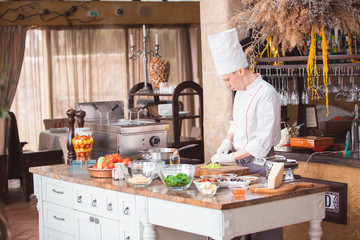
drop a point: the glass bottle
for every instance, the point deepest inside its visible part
(318, 45)
(355, 131)
(334, 46)
(82, 143)
(175, 158)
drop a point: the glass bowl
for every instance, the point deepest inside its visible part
(239, 190)
(210, 177)
(206, 188)
(159, 164)
(177, 177)
(139, 174)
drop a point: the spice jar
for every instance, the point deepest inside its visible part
(174, 158)
(82, 143)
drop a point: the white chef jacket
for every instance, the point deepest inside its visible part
(256, 118)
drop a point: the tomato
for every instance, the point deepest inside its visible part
(126, 161)
(111, 165)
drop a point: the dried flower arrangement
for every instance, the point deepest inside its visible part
(287, 23)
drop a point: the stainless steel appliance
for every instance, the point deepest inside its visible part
(102, 112)
(289, 165)
(114, 134)
(127, 137)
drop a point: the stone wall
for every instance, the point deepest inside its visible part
(214, 15)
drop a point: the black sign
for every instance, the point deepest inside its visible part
(335, 200)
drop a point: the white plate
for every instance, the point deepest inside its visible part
(181, 114)
(252, 179)
(225, 184)
(58, 130)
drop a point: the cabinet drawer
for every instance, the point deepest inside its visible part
(56, 191)
(111, 206)
(58, 217)
(50, 234)
(80, 197)
(96, 201)
(127, 210)
(127, 231)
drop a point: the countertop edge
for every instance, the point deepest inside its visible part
(158, 191)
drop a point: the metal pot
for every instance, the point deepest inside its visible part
(163, 153)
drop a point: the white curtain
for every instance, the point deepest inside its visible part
(65, 66)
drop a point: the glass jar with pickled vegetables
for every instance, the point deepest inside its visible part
(82, 143)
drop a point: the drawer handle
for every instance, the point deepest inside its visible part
(79, 199)
(91, 219)
(94, 204)
(59, 192)
(57, 218)
(127, 238)
(97, 220)
(127, 211)
(109, 207)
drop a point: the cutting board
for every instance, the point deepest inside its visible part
(284, 187)
(239, 170)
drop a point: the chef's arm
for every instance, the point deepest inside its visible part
(242, 153)
(230, 137)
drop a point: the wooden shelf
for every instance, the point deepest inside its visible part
(305, 58)
(187, 88)
(163, 94)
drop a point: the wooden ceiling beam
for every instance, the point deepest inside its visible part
(61, 13)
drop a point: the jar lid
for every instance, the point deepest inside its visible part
(82, 131)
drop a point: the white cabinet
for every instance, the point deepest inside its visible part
(127, 231)
(57, 191)
(52, 234)
(127, 210)
(97, 201)
(77, 211)
(58, 217)
(89, 226)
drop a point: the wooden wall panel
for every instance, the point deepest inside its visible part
(134, 13)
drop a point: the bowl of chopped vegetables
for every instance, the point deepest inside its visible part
(177, 177)
(206, 186)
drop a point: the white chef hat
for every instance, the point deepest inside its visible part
(227, 52)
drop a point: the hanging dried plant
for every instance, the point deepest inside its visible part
(289, 22)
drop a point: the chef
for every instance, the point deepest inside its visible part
(255, 127)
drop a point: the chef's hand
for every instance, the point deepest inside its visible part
(225, 146)
(221, 157)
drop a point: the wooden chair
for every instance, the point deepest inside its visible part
(19, 162)
(5, 233)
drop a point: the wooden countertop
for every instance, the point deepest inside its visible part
(222, 200)
(339, 159)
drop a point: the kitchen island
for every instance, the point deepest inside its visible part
(334, 167)
(72, 205)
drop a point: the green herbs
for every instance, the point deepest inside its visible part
(212, 166)
(179, 180)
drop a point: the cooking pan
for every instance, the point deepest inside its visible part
(163, 153)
